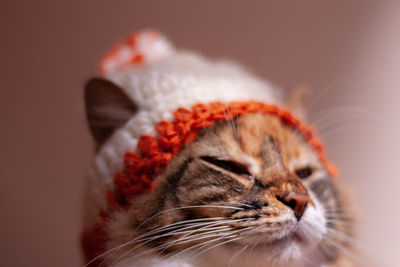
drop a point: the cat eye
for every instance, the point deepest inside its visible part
(230, 166)
(304, 173)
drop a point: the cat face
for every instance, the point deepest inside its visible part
(251, 186)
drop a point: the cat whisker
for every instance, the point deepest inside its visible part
(341, 236)
(187, 240)
(184, 224)
(164, 246)
(236, 232)
(194, 222)
(180, 208)
(334, 118)
(152, 238)
(204, 226)
(343, 217)
(201, 245)
(330, 242)
(176, 232)
(218, 245)
(192, 238)
(342, 242)
(349, 111)
(228, 115)
(340, 214)
(340, 208)
(327, 88)
(339, 211)
(337, 123)
(339, 222)
(313, 263)
(345, 129)
(251, 253)
(236, 255)
(240, 204)
(335, 113)
(210, 206)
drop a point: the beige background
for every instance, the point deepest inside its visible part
(346, 50)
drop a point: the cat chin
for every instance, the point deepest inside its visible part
(286, 252)
(296, 248)
(291, 252)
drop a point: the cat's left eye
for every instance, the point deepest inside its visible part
(304, 173)
(231, 166)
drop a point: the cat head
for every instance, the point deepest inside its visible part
(199, 158)
(251, 180)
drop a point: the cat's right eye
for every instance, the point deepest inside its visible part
(230, 166)
(304, 173)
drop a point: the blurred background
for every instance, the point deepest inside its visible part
(346, 51)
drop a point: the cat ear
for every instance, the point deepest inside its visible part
(298, 100)
(107, 108)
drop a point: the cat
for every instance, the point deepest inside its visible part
(235, 182)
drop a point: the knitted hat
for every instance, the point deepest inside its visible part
(177, 94)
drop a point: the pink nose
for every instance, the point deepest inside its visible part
(297, 202)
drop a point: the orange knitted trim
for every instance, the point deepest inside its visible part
(154, 154)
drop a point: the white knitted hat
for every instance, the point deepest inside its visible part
(160, 80)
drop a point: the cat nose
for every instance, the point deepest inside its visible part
(297, 202)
